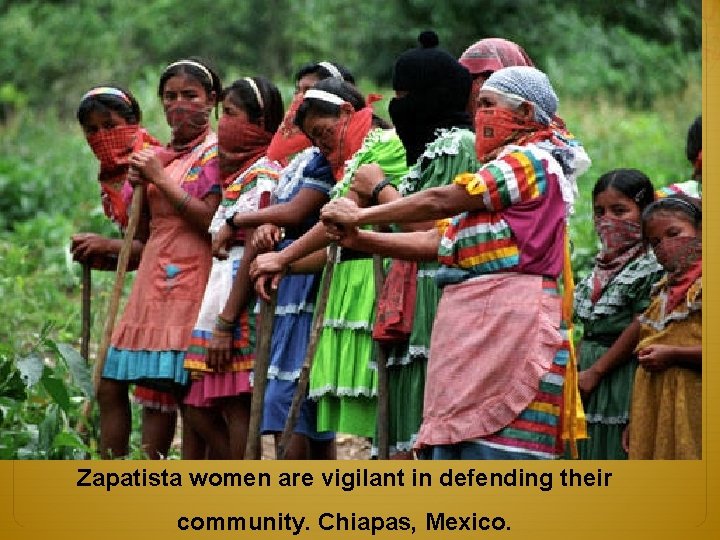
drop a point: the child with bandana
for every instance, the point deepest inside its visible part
(181, 193)
(607, 301)
(110, 119)
(218, 403)
(666, 411)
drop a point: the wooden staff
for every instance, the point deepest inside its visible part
(262, 361)
(304, 377)
(86, 314)
(122, 264)
(381, 360)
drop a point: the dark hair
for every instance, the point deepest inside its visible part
(344, 90)
(324, 73)
(630, 182)
(242, 94)
(694, 140)
(689, 207)
(106, 103)
(186, 67)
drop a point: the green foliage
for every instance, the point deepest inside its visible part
(40, 403)
(54, 51)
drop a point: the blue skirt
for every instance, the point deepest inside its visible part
(290, 339)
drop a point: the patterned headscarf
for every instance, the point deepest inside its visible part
(493, 54)
(531, 85)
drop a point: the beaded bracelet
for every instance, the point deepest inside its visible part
(180, 206)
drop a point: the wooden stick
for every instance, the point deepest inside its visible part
(381, 361)
(315, 332)
(85, 312)
(122, 264)
(253, 449)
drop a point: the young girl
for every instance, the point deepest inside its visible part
(666, 412)
(110, 118)
(181, 196)
(303, 188)
(607, 301)
(218, 404)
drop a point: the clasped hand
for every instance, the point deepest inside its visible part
(145, 167)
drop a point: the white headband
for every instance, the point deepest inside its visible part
(322, 95)
(334, 71)
(198, 65)
(512, 99)
(257, 92)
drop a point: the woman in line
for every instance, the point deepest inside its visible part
(485, 57)
(336, 119)
(181, 194)
(500, 258)
(666, 411)
(110, 118)
(607, 302)
(303, 188)
(428, 114)
(218, 403)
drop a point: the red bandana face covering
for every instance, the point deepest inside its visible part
(681, 256)
(113, 148)
(288, 140)
(347, 137)
(240, 144)
(496, 127)
(677, 253)
(188, 120)
(621, 243)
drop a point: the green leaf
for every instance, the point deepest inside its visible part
(56, 389)
(79, 369)
(48, 429)
(31, 369)
(68, 439)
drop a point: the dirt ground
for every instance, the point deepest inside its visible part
(348, 447)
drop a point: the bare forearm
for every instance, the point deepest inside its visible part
(620, 352)
(431, 204)
(310, 264)
(198, 212)
(240, 291)
(292, 213)
(412, 246)
(689, 357)
(308, 243)
(115, 244)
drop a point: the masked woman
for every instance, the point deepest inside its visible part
(497, 352)
(181, 184)
(336, 119)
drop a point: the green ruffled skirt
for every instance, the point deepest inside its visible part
(343, 380)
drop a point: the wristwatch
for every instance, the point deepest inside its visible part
(231, 221)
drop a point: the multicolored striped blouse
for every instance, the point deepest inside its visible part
(248, 192)
(691, 188)
(521, 228)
